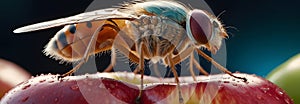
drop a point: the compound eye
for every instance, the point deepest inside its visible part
(200, 27)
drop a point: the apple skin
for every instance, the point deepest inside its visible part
(122, 88)
(48, 89)
(10, 75)
(287, 76)
(220, 89)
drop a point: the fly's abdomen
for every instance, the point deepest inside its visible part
(71, 43)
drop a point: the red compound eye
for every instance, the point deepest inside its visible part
(200, 27)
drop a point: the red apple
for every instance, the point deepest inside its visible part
(123, 88)
(10, 76)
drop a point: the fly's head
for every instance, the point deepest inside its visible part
(205, 30)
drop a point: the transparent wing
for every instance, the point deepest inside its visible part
(110, 13)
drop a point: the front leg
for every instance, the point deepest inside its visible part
(206, 65)
(217, 65)
(172, 66)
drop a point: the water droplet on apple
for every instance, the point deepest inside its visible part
(277, 98)
(75, 87)
(259, 97)
(25, 99)
(50, 81)
(56, 100)
(279, 92)
(27, 86)
(270, 94)
(287, 100)
(264, 89)
(247, 82)
(41, 81)
(221, 87)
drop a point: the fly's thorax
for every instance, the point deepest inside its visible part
(160, 35)
(171, 9)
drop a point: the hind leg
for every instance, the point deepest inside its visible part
(141, 70)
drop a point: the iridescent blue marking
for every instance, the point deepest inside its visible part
(89, 24)
(72, 29)
(62, 39)
(168, 10)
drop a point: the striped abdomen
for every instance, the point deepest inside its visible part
(70, 43)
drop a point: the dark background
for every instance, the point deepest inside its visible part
(268, 32)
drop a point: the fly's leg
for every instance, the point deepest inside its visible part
(170, 74)
(172, 66)
(193, 61)
(141, 70)
(203, 62)
(191, 67)
(189, 53)
(220, 67)
(198, 66)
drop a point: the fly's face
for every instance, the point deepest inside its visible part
(205, 30)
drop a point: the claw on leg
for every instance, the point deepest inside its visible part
(220, 67)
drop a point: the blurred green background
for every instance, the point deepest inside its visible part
(268, 32)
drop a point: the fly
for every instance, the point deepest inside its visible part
(164, 30)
